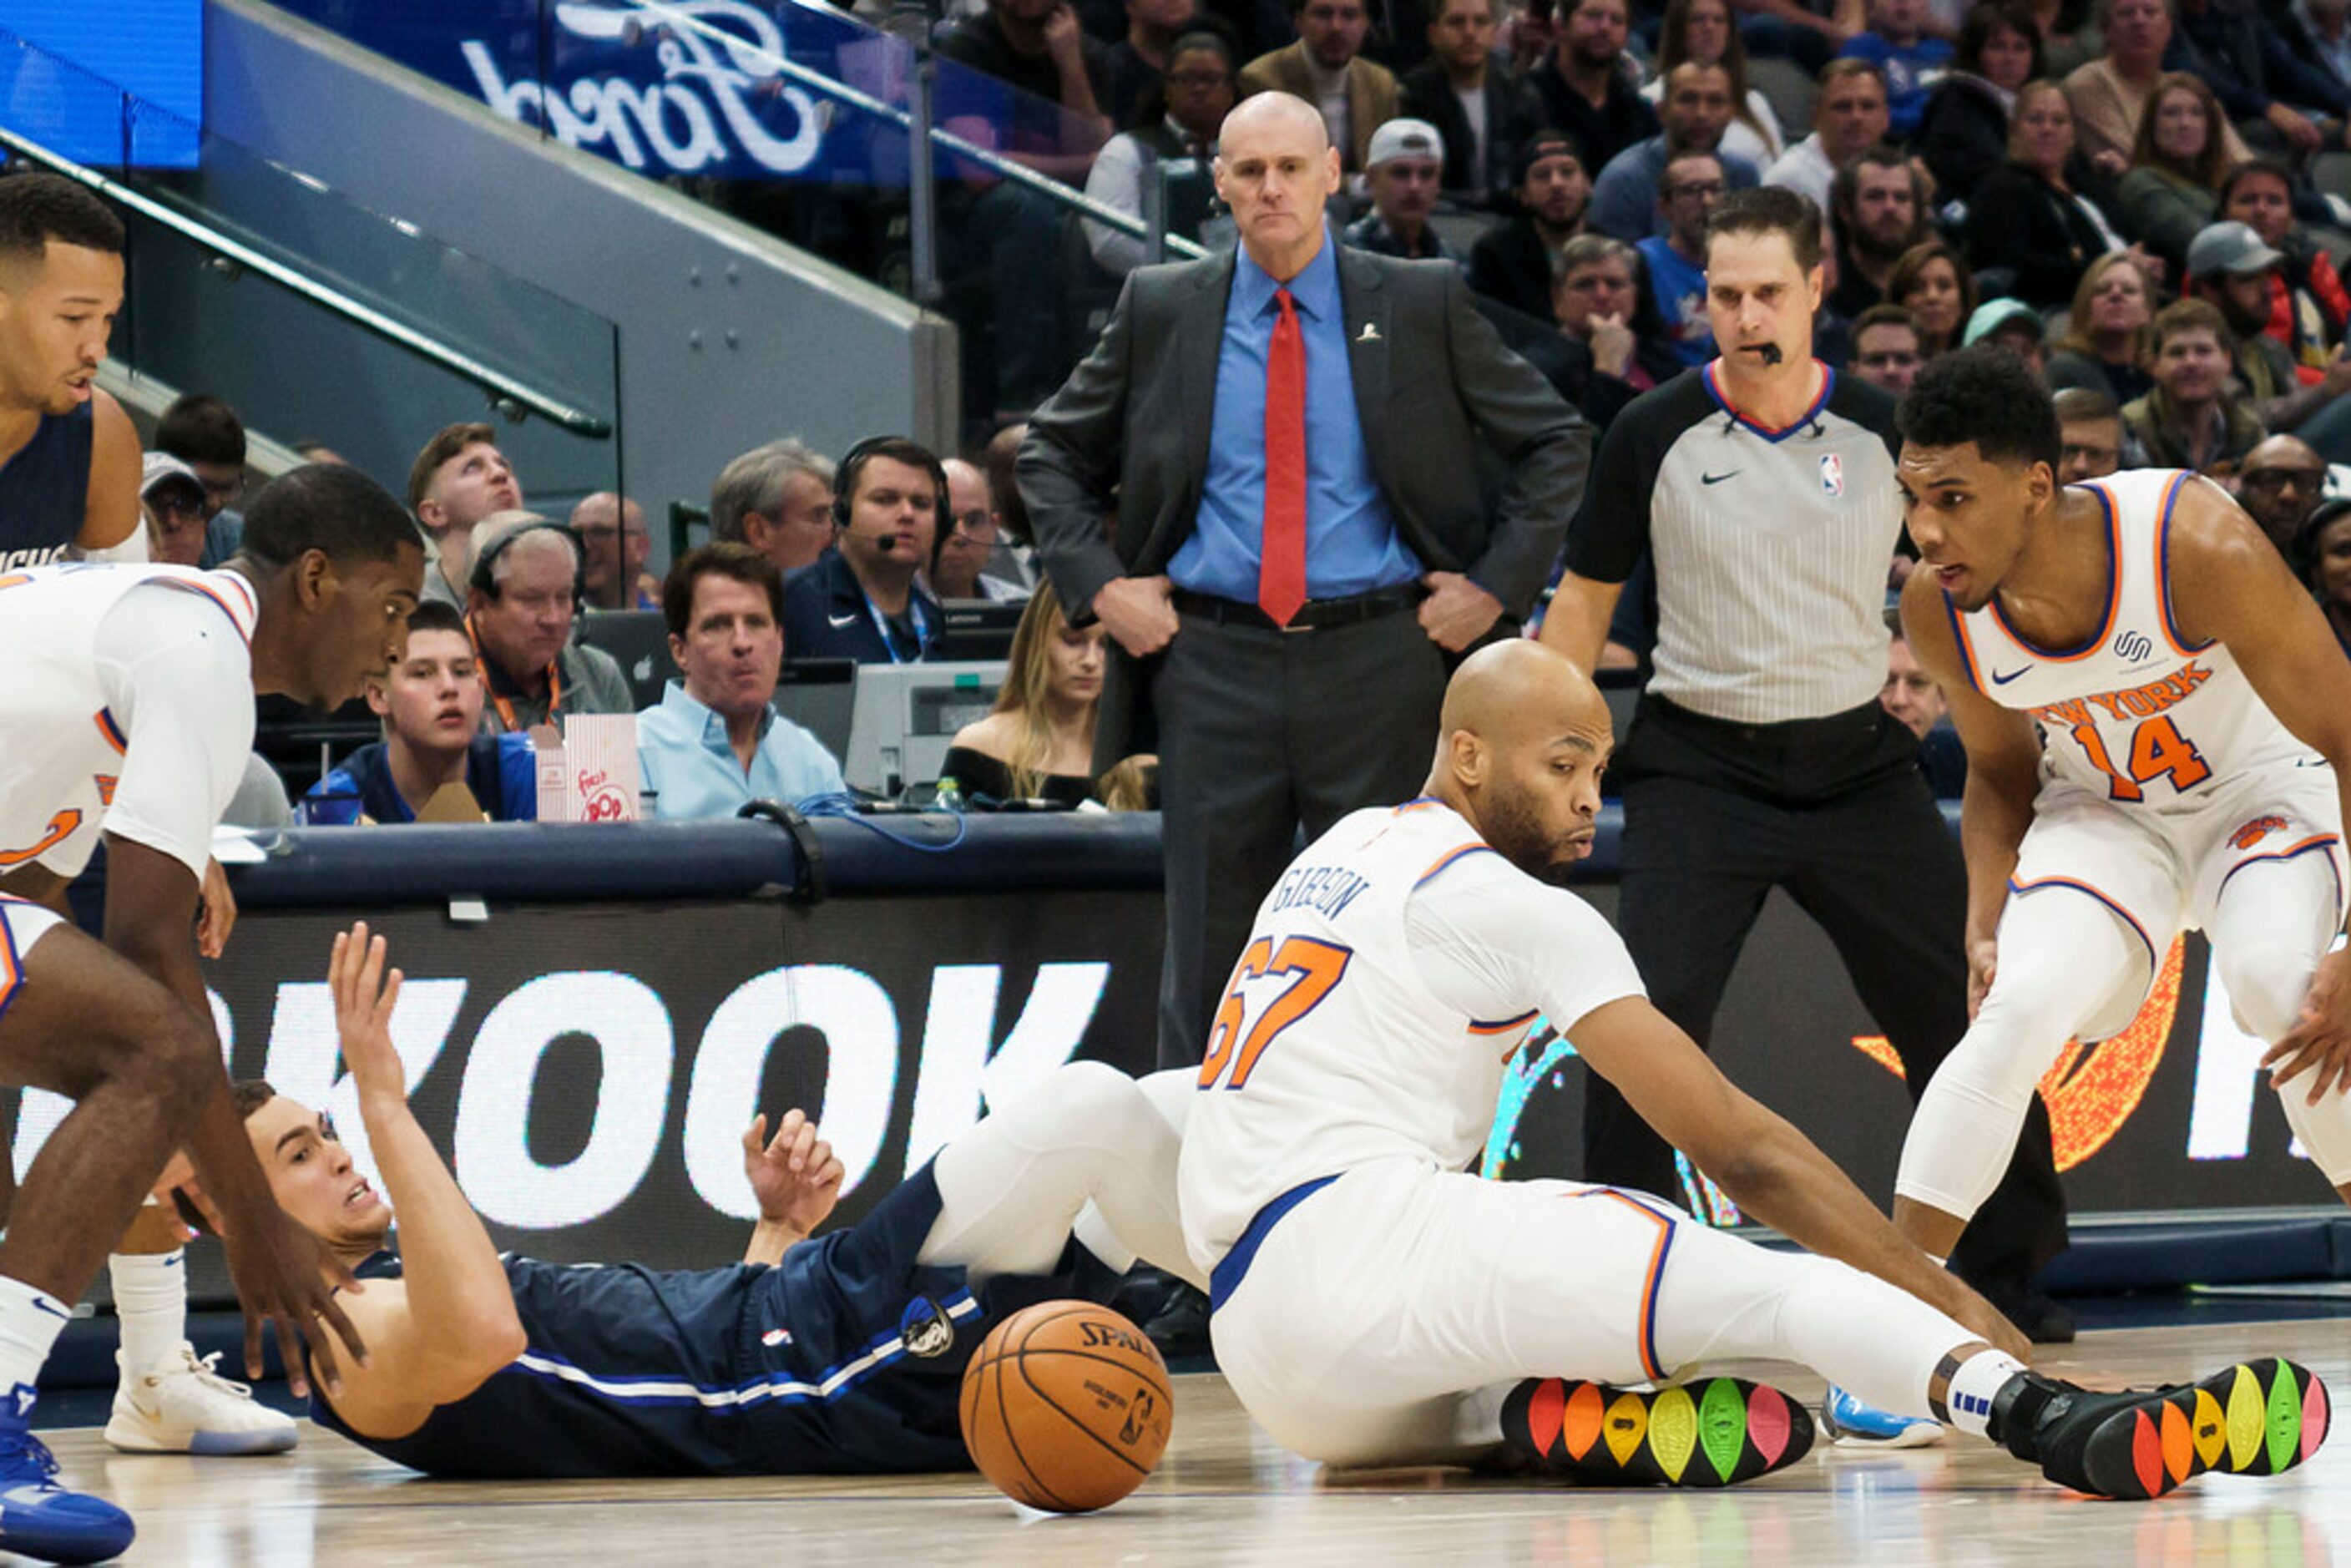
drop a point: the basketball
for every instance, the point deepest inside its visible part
(1066, 1406)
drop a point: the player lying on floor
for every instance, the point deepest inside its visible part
(841, 1355)
(1372, 1304)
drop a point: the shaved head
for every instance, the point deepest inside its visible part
(1523, 737)
(1279, 114)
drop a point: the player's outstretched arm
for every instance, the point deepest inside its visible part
(449, 1323)
(2228, 582)
(2003, 774)
(1763, 1164)
(797, 1180)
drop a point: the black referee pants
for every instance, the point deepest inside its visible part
(1835, 811)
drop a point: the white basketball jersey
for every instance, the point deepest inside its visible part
(2136, 714)
(1331, 1051)
(62, 745)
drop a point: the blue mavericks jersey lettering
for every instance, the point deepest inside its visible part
(846, 1358)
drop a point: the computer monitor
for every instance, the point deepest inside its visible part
(973, 628)
(639, 639)
(819, 695)
(905, 716)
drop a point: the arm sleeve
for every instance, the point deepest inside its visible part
(179, 681)
(1495, 944)
(1611, 530)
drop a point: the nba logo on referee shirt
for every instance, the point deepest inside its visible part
(1832, 474)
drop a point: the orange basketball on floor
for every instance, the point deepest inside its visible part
(1066, 1406)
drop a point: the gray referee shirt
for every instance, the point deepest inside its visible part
(1770, 545)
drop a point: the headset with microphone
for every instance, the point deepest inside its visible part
(900, 449)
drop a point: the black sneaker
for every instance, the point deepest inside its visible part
(1180, 1329)
(1712, 1434)
(2255, 1418)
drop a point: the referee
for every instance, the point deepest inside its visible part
(1762, 488)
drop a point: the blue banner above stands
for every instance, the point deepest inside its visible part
(115, 84)
(688, 86)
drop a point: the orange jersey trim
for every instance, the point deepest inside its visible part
(112, 731)
(1644, 1336)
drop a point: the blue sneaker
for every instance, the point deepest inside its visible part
(1847, 1420)
(39, 1518)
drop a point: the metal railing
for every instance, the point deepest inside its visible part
(511, 394)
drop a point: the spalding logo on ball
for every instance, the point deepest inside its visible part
(1066, 1406)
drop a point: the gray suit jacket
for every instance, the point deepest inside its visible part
(1434, 389)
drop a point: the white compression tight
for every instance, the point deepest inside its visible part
(2066, 961)
(2272, 923)
(1086, 1151)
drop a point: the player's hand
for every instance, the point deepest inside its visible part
(365, 997)
(1983, 968)
(215, 912)
(2320, 1043)
(795, 1174)
(284, 1276)
(1456, 612)
(1138, 613)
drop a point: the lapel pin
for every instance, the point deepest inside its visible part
(1369, 334)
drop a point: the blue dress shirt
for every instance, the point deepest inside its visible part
(683, 755)
(1350, 539)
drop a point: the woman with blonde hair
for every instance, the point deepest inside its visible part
(1706, 31)
(2173, 189)
(1037, 742)
(1935, 286)
(2109, 336)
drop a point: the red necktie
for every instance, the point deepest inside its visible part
(1281, 571)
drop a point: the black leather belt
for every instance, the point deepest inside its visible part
(1314, 615)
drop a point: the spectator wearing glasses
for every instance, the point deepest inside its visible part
(203, 431)
(520, 602)
(614, 536)
(2281, 483)
(1692, 183)
(2090, 433)
(171, 502)
(1886, 350)
(1173, 140)
(716, 743)
(960, 558)
(1627, 197)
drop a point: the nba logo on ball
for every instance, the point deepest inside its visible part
(1832, 474)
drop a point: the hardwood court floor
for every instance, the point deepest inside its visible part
(1226, 1493)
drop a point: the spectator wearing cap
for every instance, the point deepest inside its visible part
(1885, 351)
(1696, 111)
(2014, 325)
(1588, 89)
(716, 743)
(430, 704)
(522, 596)
(2191, 419)
(1848, 119)
(1173, 140)
(1327, 69)
(1408, 161)
(2279, 483)
(1511, 264)
(2229, 265)
(171, 501)
(2090, 434)
(1481, 109)
(1692, 184)
(204, 433)
(2309, 307)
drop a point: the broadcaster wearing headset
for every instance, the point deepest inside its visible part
(521, 599)
(859, 600)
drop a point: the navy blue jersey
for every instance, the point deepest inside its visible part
(45, 490)
(844, 1359)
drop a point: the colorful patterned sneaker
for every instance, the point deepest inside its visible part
(2255, 1418)
(184, 1407)
(1846, 1419)
(39, 1518)
(1712, 1434)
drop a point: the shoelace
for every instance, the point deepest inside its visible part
(205, 1372)
(21, 1447)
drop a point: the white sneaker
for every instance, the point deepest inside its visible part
(184, 1407)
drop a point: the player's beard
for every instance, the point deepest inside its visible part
(1506, 818)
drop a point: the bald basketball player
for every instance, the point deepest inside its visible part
(1373, 1304)
(839, 1356)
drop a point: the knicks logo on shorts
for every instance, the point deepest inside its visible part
(2254, 832)
(106, 783)
(61, 827)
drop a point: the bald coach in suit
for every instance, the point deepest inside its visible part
(1330, 480)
